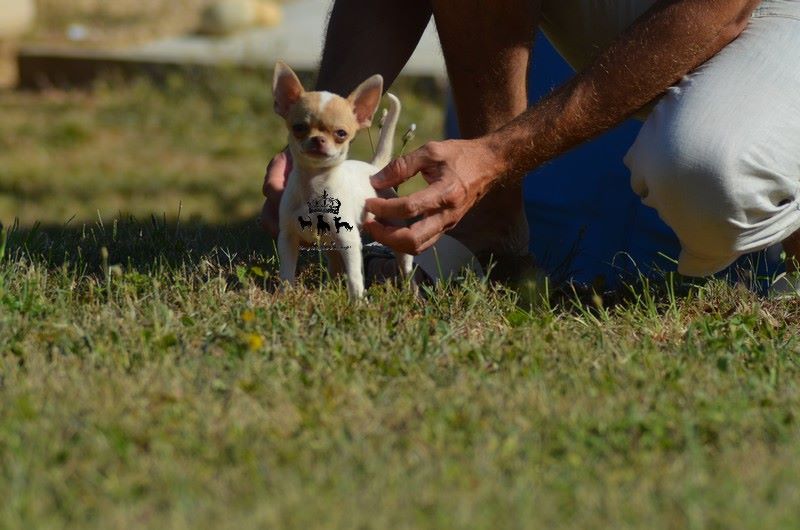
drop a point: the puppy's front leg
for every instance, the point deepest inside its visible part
(405, 262)
(288, 250)
(354, 268)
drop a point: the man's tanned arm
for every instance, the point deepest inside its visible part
(667, 42)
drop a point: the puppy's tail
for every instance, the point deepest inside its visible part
(383, 151)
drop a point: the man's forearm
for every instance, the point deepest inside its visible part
(367, 37)
(667, 42)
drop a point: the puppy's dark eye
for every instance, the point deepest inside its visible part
(341, 134)
(300, 128)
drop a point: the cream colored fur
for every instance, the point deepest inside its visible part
(329, 172)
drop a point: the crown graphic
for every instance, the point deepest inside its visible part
(324, 204)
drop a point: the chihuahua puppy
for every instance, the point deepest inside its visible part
(323, 185)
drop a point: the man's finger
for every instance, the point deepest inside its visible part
(277, 172)
(399, 170)
(412, 240)
(427, 200)
(380, 232)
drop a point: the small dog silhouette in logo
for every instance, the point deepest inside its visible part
(341, 224)
(322, 226)
(305, 223)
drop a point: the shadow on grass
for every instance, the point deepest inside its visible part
(143, 245)
(157, 246)
(241, 249)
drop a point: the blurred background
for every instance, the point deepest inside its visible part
(155, 107)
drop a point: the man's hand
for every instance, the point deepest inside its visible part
(274, 183)
(459, 173)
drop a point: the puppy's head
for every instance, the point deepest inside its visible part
(322, 125)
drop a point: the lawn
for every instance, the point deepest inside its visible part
(151, 377)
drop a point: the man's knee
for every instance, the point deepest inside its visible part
(718, 187)
(674, 158)
(690, 173)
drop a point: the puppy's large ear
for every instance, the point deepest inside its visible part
(286, 88)
(365, 99)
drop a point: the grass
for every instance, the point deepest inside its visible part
(200, 144)
(151, 377)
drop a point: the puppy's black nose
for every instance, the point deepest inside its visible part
(317, 141)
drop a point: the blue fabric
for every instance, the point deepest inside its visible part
(586, 223)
